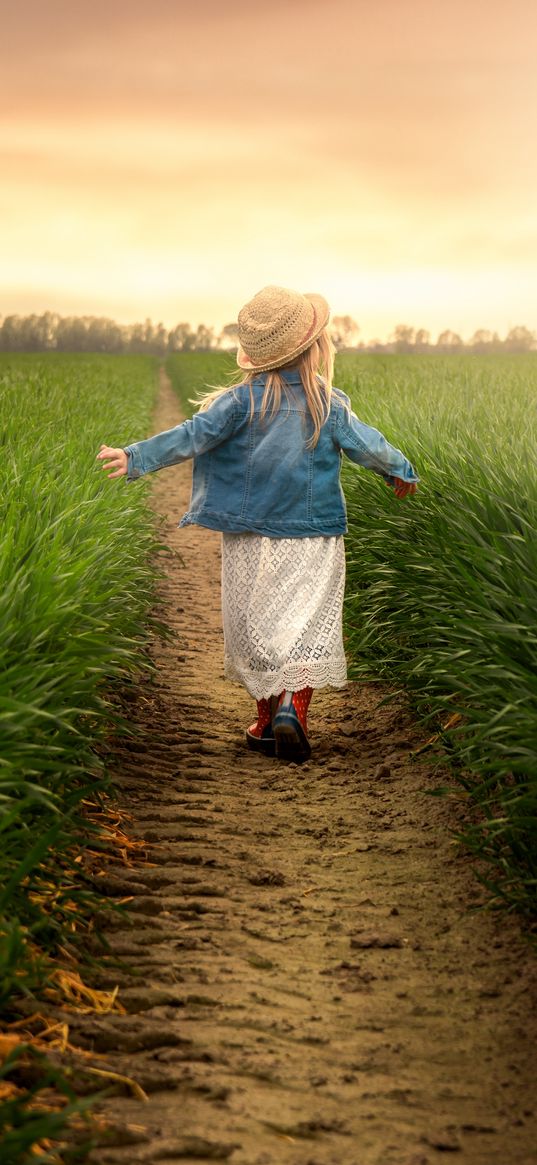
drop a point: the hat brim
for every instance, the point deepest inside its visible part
(322, 314)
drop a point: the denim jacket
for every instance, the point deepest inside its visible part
(257, 475)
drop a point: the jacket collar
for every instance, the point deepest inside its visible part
(291, 375)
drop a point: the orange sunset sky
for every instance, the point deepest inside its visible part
(168, 159)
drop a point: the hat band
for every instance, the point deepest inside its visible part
(312, 329)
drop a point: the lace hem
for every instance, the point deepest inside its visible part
(290, 678)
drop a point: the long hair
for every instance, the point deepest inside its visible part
(316, 368)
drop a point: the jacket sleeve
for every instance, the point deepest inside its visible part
(367, 446)
(202, 432)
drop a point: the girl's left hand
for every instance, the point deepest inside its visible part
(115, 459)
(402, 488)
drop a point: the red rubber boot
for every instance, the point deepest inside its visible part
(301, 703)
(259, 736)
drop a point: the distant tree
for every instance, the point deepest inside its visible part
(422, 340)
(136, 339)
(481, 341)
(10, 334)
(403, 338)
(344, 331)
(520, 339)
(71, 334)
(204, 338)
(46, 329)
(229, 336)
(189, 342)
(96, 338)
(104, 335)
(449, 341)
(150, 334)
(181, 338)
(30, 335)
(160, 340)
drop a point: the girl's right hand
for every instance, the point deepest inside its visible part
(402, 488)
(115, 459)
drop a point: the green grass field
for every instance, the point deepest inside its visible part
(75, 585)
(442, 587)
(441, 601)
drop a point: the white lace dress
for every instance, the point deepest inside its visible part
(282, 601)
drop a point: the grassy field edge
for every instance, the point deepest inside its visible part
(77, 574)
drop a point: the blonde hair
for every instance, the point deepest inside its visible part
(316, 368)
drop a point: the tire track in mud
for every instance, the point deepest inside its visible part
(305, 982)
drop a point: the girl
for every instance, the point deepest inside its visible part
(267, 455)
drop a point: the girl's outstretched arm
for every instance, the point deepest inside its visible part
(189, 439)
(366, 446)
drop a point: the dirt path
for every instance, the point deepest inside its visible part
(305, 983)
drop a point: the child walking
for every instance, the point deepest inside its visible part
(266, 473)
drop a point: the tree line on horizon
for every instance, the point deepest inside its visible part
(52, 332)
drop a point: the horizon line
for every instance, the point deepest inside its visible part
(408, 333)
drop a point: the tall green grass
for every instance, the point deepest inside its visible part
(192, 373)
(442, 587)
(75, 586)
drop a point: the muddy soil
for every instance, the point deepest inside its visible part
(306, 977)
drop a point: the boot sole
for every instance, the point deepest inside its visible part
(292, 743)
(266, 745)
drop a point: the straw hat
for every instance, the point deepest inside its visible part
(278, 324)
